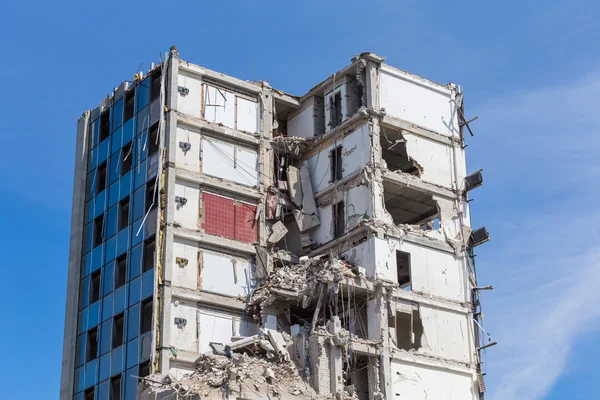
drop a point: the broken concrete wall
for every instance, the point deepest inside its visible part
(355, 154)
(445, 334)
(309, 121)
(418, 100)
(433, 272)
(424, 382)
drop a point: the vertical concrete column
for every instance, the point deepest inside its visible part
(76, 241)
(335, 358)
(372, 75)
(378, 329)
(170, 143)
(265, 154)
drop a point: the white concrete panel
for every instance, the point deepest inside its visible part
(185, 337)
(416, 382)
(324, 233)
(434, 272)
(417, 100)
(187, 214)
(358, 205)
(227, 161)
(247, 115)
(445, 334)
(435, 158)
(225, 275)
(355, 154)
(188, 160)
(219, 106)
(363, 255)
(244, 327)
(185, 276)
(190, 103)
(214, 328)
(303, 124)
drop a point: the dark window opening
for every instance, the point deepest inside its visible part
(409, 330)
(144, 369)
(153, 139)
(403, 268)
(123, 214)
(146, 324)
(101, 178)
(407, 205)
(104, 124)
(149, 255)
(115, 387)
(118, 330)
(335, 162)
(360, 92)
(281, 167)
(155, 85)
(151, 196)
(339, 225)
(98, 230)
(89, 394)
(121, 273)
(129, 105)
(95, 287)
(126, 159)
(92, 344)
(335, 104)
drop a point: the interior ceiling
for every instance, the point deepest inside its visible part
(394, 152)
(406, 205)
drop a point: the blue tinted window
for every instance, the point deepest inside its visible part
(108, 276)
(125, 185)
(83, 319)
(105, 338)
(103, 150)
(113, 194)
(79, 379)
(131, 383)
(120, 299)
(93, 134)
(140, 175)
(91, 373)
(133, 322)
(80, 355)
(117, 140)
(90, 185)
(87, 237)
(107, 307)
(84, 293)
(111, 249)
(115, 168)
(86, 265)
(92, 161)
(135, 291)
(94, 314)
(143, 94)
(117, 119)
(111, 221)
(103, 388)
(136, 261)
(123, 241)
(138, 203)
(128, 130)
(117, 360)
(133, 353)
(148, 283)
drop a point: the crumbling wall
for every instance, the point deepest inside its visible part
(436, 159)
(309, 121)
(446, 334)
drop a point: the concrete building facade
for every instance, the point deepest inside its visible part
(329, 234)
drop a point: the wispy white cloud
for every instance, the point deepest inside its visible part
(545, 255)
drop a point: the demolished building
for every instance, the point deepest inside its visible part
(230, 240)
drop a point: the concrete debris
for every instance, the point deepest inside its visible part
(278, 232)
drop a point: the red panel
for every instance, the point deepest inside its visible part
(246, 229)
(219, 215)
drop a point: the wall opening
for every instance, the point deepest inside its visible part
(339, 223)
(144, 369)
(118, 330)
(335, 106)
(146, 324)
(358, 376)
(394, 153)
(281, 175)
(104, 124)
(155, 85)
(153, 139)
(98, 230)
(92, 344)
(123, 214)
(409, 330)
(115, 387)
(407, 205)
(121, 272)
(151, 196)
(335, 161)
(149, 255)
(95, 287)
(89, 394)
(129, 104)
(101, 178)
(126, 159)
(403, 268)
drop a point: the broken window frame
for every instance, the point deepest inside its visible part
(155, 79)
(126, 158)
(335, 109)
(114, 381)
(124, 213)
(101, 177)
(339, 225)
(153, 140)
(335, 162)
(149, 250)
(146, 316)
(407, 285)
(95, 285)
(129, 105)
(151, 196)
(118, 331)
(98, 234)
(104, 125)
(121, 271)
(89, 393)
(144, 369)
(92, 344)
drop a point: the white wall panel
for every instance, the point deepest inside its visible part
(418, 100)
(219, 106)
(417, 382)
(187, 215)
(186, 276)
(224, 274)
(189, 160)
(184, 337)
(214, 328)
(227, 161)
(190, 103)
(247, 115)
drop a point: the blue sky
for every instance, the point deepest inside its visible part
(530, 71)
